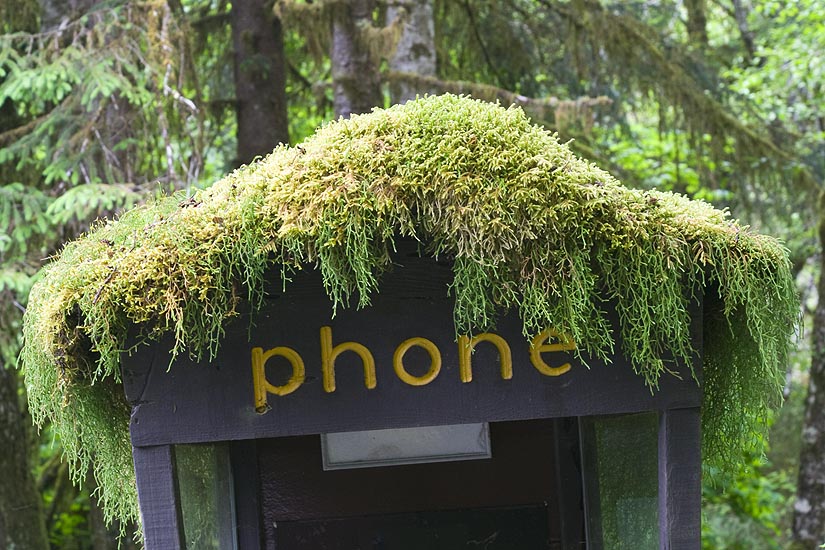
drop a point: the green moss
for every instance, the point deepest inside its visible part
(532, 228)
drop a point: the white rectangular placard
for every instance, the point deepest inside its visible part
(405, 446)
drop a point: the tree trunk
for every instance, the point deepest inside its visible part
(809, 508)
(697, 22)
(355, 80)
(741, 16)
(260, 77)
(55, 12)
(21, 518)
(415, 51)
(21, 521)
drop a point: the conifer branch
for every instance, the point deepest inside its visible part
(488, 92)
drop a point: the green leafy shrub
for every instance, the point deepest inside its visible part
(747, 508)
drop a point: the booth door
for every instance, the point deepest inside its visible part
(527, 496)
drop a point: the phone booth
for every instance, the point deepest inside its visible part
(264, 411)
(379, 429)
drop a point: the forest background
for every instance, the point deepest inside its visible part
(104, 105)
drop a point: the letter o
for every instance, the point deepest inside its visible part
(435, 361)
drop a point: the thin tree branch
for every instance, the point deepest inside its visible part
(480, 41)
(16, 133)
(304, 81)
(489, 92)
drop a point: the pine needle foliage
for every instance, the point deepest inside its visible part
(532, 228)
(103, 98)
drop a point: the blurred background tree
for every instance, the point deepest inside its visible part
(105, 104)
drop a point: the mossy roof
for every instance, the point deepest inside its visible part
(532, 228)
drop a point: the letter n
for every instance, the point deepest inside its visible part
(465, 355)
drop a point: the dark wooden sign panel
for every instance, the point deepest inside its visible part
(406, 330)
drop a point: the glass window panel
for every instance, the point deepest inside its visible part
(622, 481)
(206, 497)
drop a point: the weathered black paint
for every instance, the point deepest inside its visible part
(190, 403)
(247, 485)
(158, 495)
(680, 479)
(569, 481)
